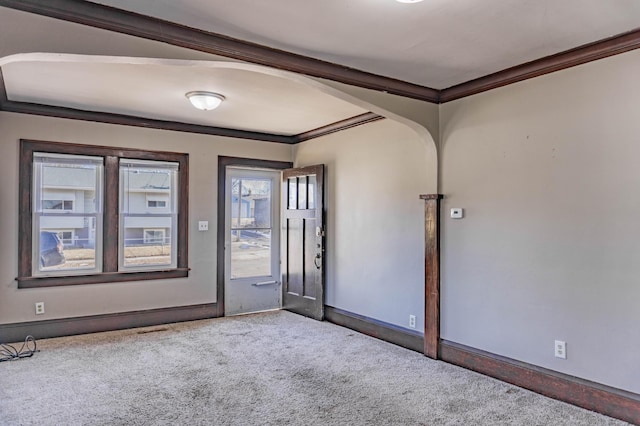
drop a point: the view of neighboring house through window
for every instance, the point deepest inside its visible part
(66, 205)
(250, 227)
(60, 182)
(156, 203)
(148, 213)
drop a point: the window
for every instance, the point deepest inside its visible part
(71, 196)
(66, 237)
(138, 179)
(156, 203)
(154, 236)
(60, 175)
(57, 205)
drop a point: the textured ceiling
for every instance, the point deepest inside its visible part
(435, 43)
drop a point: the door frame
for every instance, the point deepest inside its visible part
(223, 163)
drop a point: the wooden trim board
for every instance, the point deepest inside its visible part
(338, 126)
(593, 396)
(17, 332)
(150, 123)
(134, 24)
(570, 58)
(431, 274)
(129, 120)
(375, 328)
(125, 22)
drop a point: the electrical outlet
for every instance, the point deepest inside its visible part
(412, 321)
(39, 308)
(203, 225)
(561, 349)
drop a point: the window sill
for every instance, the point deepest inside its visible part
(105, 277)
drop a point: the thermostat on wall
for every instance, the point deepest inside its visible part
(456, 213)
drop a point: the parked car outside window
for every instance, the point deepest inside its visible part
(51, 249)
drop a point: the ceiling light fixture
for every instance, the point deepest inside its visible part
(205, 101)
(408, 1)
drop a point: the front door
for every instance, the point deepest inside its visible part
(303, 241)
(252, 241)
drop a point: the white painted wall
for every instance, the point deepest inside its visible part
(63, 302)
(547, 172)
(375, 220)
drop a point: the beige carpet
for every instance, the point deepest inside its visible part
(267, 369)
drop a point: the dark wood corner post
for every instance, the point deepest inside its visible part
(431, 274)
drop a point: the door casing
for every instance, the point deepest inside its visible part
(223, 163)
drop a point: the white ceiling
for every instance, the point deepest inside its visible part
(435, 43)
(156, 89)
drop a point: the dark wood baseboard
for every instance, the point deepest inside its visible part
(96, 323)
(374, 328)
(593, 396)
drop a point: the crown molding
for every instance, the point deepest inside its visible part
(134, 24)
(358, 120)
(570, 58)
(150, 123)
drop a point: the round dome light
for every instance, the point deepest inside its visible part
(205, 101)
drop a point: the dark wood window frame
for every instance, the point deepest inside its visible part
(110, 243)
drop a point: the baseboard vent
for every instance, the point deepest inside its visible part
(96, 323)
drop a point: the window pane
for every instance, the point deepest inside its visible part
(148, 206)
(145, 246)
(302, 193)
(236, 205)
(293, 194)
(253, 208)
(67, 200)
(312, 191)
(250, 253)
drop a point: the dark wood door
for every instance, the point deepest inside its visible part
(303, 241)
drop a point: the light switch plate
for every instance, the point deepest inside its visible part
(456, 213)
(203, 225)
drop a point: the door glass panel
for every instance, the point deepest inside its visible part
(250, 253)
(293, 194)
(250, 227)
(312, 192)
(302, 193)
(255, 204)
(236, 209)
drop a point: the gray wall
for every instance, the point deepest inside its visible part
(375, 220)
(547, 172)
(63, 302)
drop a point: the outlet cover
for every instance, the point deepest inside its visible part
(39, 308)
(561, 349)
(203, 225)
